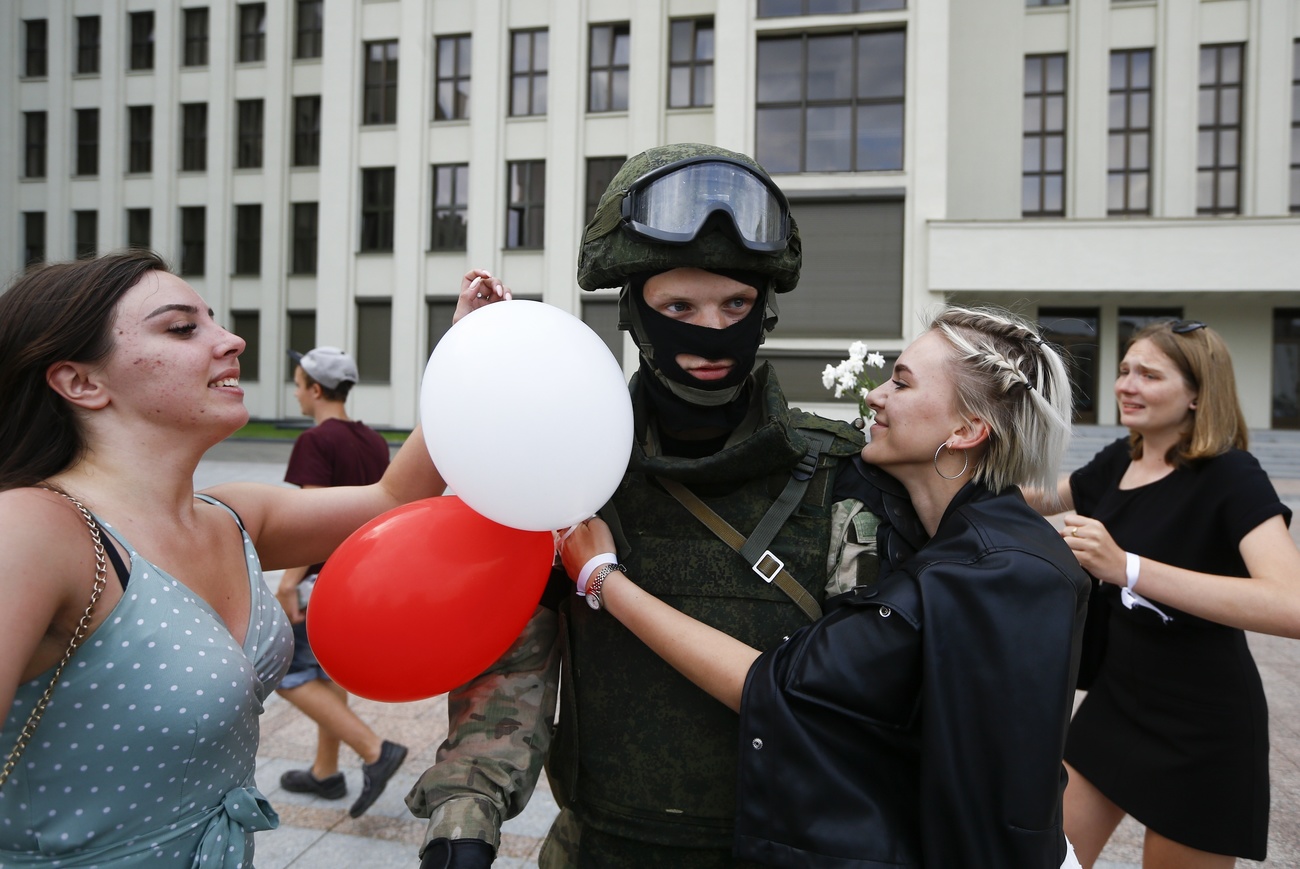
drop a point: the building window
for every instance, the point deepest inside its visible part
(139, 228)
(600, 171)
(87, 44)
(1128, 184)
(607, 67)
(374, 340)
(832, 102)
(36, 48)
(437, 320)
(301, 327)
(306, 131)
(450, 207)
(526, 205)
(379, 97)
(248, 239)
(139, 143)
(529, 62)
(194, 233)
(782, 8)
(378, 193)
(451, 80)
(35, 143)
(194, 137)
(1130, 321)
(248, 325)
(1286, 368)
(1042, 183)
(252, 32)
(195, 47)
(1032, 3)
(690, 63)
(1074, 333)
(85, 233)
(33, 237)
(305, 218)
(310, 34)
(1218, 130)
(1295, 127)
(141, 55)
(248, 146)
(87, 148)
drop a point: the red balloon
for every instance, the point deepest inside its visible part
(423, 598)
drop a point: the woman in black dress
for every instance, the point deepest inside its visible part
(1190, 542)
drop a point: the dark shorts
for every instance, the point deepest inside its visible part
(304, 667)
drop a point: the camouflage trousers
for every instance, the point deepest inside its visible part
(599, 850)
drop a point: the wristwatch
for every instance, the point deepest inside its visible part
(597, 582)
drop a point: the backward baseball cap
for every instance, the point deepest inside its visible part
(328, 366)
(610, 256)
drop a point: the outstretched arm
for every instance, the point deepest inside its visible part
(713, 660)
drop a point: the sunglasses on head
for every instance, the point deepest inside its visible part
(1182, 327)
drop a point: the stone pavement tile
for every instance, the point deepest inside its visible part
(344, 851)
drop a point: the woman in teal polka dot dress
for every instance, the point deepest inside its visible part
(114, 381)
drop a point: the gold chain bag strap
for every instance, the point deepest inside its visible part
(83, 626)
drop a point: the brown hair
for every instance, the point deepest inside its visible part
(58, 312)
(1201, 356)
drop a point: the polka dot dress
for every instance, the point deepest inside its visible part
(146, 752)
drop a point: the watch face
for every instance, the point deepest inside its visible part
(593, 601)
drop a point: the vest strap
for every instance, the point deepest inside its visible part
(770, 568)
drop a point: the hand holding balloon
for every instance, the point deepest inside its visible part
(477, 289)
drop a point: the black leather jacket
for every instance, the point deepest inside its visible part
(921, 721)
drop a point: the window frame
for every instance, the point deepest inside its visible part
(250, 131)
(531, 81)
(306, 138)
(805, 8)
(526, 212)
(250, 45)
(193, 240)
(608, 68)
(139, 228)
(194, 143)
(457, 83)
(813, 102)
(89, 44)
(85, 233)
(140, 48)
(1044, 134)
(378, 205)
(304, 246)
(1295, 127)
(379, 87)
(34, 243)
(36, 144)
(86, 147)
(374, 361)
(451, 206)
(694, 65)
(36, 48)
(1127, 93)
(309, 37)
(195, 36)
(598, 172)
(247, 240)
(139, 140)
(1217, 129)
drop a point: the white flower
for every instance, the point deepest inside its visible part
(862, 394)
(876, 360)
(828, 376)
(857, 350)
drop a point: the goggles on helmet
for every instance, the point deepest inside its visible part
(674, 202)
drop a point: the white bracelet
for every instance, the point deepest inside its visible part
(594, 562)
(1132, 564)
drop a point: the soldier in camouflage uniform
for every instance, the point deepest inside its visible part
(643, 763)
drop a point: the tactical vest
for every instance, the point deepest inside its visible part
(641, 752)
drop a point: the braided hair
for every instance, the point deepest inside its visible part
(1007, 375)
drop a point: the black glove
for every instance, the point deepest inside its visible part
(458, 854)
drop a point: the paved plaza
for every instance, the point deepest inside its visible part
(318, 834)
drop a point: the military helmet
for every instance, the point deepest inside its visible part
(732, 217)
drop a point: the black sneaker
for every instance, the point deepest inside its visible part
(301, 781)
(375, 776)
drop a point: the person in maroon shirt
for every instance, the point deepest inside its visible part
(336, 451)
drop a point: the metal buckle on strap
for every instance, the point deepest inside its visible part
(764, 566)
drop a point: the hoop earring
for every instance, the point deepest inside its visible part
(965, 463)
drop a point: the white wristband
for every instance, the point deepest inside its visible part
(591, 565)
(1132, 564)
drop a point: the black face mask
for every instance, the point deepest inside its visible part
(669, 337)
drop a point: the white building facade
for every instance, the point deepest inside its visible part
(324, 171)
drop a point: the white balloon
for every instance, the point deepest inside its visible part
(527, 415)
